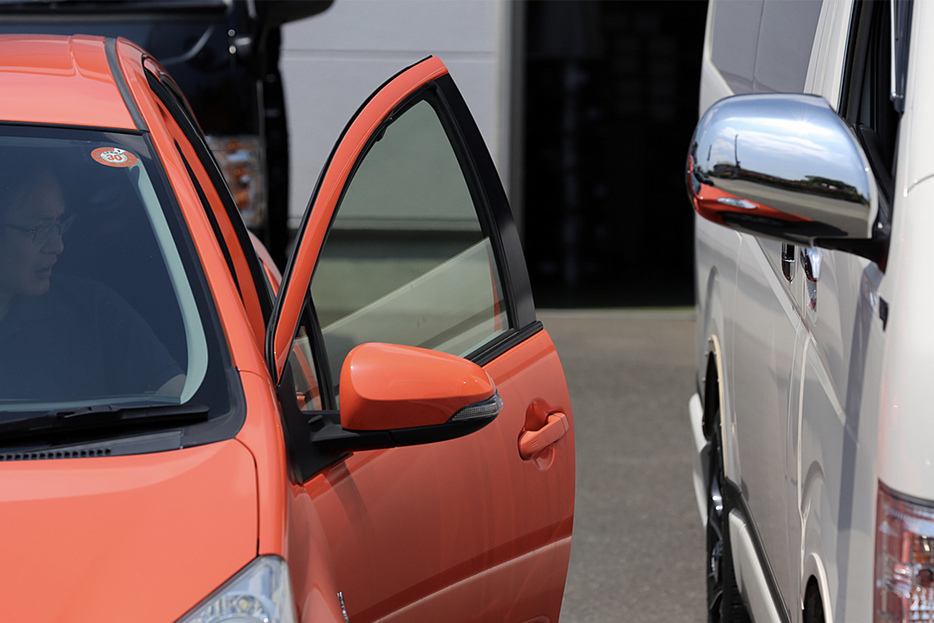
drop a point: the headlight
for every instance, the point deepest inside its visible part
(260, 593)
(242, 161)
(904, 559)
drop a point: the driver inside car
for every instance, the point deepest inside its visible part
(61, 336)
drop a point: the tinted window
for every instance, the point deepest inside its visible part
(100, 301)
(407, 260)
(866, 99)
(735, 38)
(764, 45)
(786, 37)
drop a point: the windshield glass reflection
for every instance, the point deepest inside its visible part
(96, 306)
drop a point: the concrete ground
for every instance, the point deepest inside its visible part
(638, 545)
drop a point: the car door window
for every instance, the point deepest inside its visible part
(866, 100)
(407, 260)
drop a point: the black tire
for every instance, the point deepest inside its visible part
(813, 607)
(724, 603)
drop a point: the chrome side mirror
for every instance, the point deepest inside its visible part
(782, 166)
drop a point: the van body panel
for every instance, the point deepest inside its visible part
(906, 460)
(828, 54)
(917, 154)
(905, 395)
(825, 383)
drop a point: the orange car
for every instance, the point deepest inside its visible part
(384, 435)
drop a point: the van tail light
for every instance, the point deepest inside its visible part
(242, 160)
(904, 579)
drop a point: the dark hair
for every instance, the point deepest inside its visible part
(16, 183)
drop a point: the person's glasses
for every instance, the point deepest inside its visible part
(44, 233)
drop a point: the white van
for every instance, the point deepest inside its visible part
(812, 175)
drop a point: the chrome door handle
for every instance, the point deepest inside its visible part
(788, 261)
(812, 258)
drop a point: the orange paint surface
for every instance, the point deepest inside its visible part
(408, 386)
(37, 71)
(144, 536)
(487, 533)
(479, 524)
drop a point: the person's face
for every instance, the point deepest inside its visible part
(25, 267)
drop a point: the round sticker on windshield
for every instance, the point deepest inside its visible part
(114, 157)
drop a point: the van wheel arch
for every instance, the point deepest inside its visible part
(813, 611)
(713, 390)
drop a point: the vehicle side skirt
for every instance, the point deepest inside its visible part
(699, 456)
(753, 575)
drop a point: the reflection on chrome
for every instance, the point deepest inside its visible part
(736, 202)
(782, 165)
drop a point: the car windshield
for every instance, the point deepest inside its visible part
(104, 6)
(100, 301)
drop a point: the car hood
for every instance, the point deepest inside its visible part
(141, 538)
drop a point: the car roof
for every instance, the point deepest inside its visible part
(51, 79)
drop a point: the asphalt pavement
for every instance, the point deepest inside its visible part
(637, 552)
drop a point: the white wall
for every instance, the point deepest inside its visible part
(332, 62)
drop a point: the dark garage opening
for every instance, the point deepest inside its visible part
(610, 104)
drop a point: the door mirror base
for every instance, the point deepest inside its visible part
(330, 438)
(391, 396)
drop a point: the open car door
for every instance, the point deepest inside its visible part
(428, 502)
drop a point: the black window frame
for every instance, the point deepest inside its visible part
(865, 95)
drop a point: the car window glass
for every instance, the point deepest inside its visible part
(305, 373)
(98, 300)
(786, 36)
(866, 101)
(764, 45)
(407, 260)
(735, 37)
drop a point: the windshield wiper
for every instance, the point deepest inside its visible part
(94, 421)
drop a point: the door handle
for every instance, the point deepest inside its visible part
(788, 261)
(812, 262)
(532, 442)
